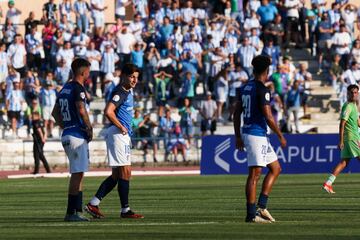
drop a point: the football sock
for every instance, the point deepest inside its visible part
(71, 206)
(79, 202)
(251, 210)
(330, 180)
(106, 186)
(123, 190)
(262, 201)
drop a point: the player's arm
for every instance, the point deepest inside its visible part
(264, 98)
(341, 133)
(57, 116)
(266, 109)
(237, 124)
(80, 105)
(110, 114)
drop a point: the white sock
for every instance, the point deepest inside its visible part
(125, 210)
(95, 201)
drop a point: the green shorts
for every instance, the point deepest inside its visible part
(351, 149)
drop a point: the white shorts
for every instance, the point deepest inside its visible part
(118, 147)
(47, 113)
(77, 151)
(259, 150)
(99, 21)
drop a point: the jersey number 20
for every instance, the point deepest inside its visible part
(246, 104)
(64, 104)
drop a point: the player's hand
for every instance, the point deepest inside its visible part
(341, 145)
(239, 144)
(89, 134)
(282, 141)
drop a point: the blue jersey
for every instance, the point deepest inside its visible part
(71, 93)
(253, 96)
(124, 102)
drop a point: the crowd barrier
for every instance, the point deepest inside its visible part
(305, 153)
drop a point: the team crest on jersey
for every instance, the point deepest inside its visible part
(116, 98)
(82, 95)
(267, 96)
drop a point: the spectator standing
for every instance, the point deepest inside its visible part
(50, 11)
(97, 10)
(65, 9)
(14, 102)
(162, 82)
(30, 22)
(141, 7)
(47, 102)
(17, 55)
(292, 22)
(267, 12)
(293, 105)
(81, 9)
(208, 111)
(341, 41)
(13, 14)
(4, 62)
(33, 43)
(245, 54)
(124, 41)
(221, 90)
(94, 57)
(187, 118)
(120, 8)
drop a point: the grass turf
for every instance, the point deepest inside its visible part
(187, 207)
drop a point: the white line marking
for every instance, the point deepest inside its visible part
(99, 223)
(106, 173)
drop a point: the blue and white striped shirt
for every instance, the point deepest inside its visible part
(246, 54)
(108, 61)
(15, 98)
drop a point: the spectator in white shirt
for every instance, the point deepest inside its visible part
(17, 55)
(120, 8)
(79, 42)
(94, 57)
(124, 40)
(97, 10)
(251, 22)
(66, 53)
(13, 13)
(187, 13)
(341, 41)
(349, 16)
(292, 24)
(3, 63)
(136, 27)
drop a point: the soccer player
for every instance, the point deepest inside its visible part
(71, 115)
(349, 135)
(119, 110)
(254, 104)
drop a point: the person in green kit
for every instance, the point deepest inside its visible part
(349, 143)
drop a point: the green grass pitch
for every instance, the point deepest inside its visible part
(187, 207)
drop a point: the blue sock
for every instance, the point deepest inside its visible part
(251, 211)
(262, 200)
(106, 186)
(123, 190)
(71, 206)
(79, 202)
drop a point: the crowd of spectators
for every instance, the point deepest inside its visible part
(194, 56)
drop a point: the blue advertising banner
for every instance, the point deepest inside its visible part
(305, 153)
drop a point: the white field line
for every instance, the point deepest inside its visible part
(98, 223)
(106, 173)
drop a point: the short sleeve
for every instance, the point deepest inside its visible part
(264, 96)
(345, 112)
(118, 97)
(79, 94)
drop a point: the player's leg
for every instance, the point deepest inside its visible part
(123, 190)
(327, 186)
(105, 188)
(78, 153)
(251, 182)
(74, 205)
(274, 170)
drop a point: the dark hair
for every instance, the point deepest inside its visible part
(129, 69)
(78, 64)
(260, 63)
(352, 86)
